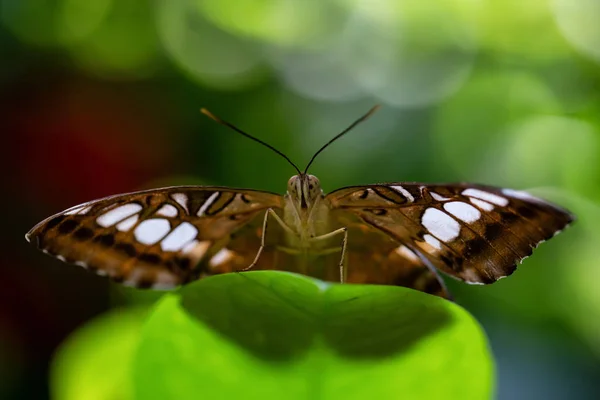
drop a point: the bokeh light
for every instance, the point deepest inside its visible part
(382, 52)
(578, 22)
(206, 54)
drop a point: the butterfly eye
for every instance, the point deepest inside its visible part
(292, 184)
(313, 183)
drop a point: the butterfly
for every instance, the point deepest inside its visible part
(390, 233)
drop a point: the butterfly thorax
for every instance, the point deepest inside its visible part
(306, 211)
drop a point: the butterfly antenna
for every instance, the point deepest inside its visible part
(241, 132)
(339, 135)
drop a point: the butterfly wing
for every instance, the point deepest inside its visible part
(373, 256)
(159, 238)
(475, 233)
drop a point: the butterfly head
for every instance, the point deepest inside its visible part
(305, 190)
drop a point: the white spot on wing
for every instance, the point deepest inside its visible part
(74, 210)
(487, 196)
(518, 194)
(117, 214)
(439, 197)
(134, 277)
(207, 203)
(463, 211)
(404, 192)
(127, 224)
(151, 231)
(182, 200)
(559, 231)
(405, 252)
(164, 280)
(484, 205)
(84, 210)
(80, 209)
(196, 249)
(167, 210)
(440, 224)
(221, 257)
(474, 282)
(471, 277)
(191, 246)
(430, 240)
(179, 237)
(61, 258)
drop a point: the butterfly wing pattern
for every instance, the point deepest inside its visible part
(398, 234)
(474, 233)
(158, 238)
(391, 233)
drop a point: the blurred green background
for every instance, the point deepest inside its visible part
(102, 97)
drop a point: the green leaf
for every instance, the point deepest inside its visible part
(274, 335)
(95, 362)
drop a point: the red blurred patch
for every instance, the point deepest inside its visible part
(83, 141)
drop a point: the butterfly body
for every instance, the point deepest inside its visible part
(305, 211)
(305, 230)
(390, 233)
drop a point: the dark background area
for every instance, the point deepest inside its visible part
(102, 97)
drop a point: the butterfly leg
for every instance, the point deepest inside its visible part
(329, 235)
(264, 235)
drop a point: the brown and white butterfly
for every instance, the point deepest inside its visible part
(389, 233)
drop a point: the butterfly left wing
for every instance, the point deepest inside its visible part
(475, 233)
(158, 238)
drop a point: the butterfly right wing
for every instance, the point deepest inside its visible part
(373, 256)
(475, 233)
(397, 266)
(157, 238)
